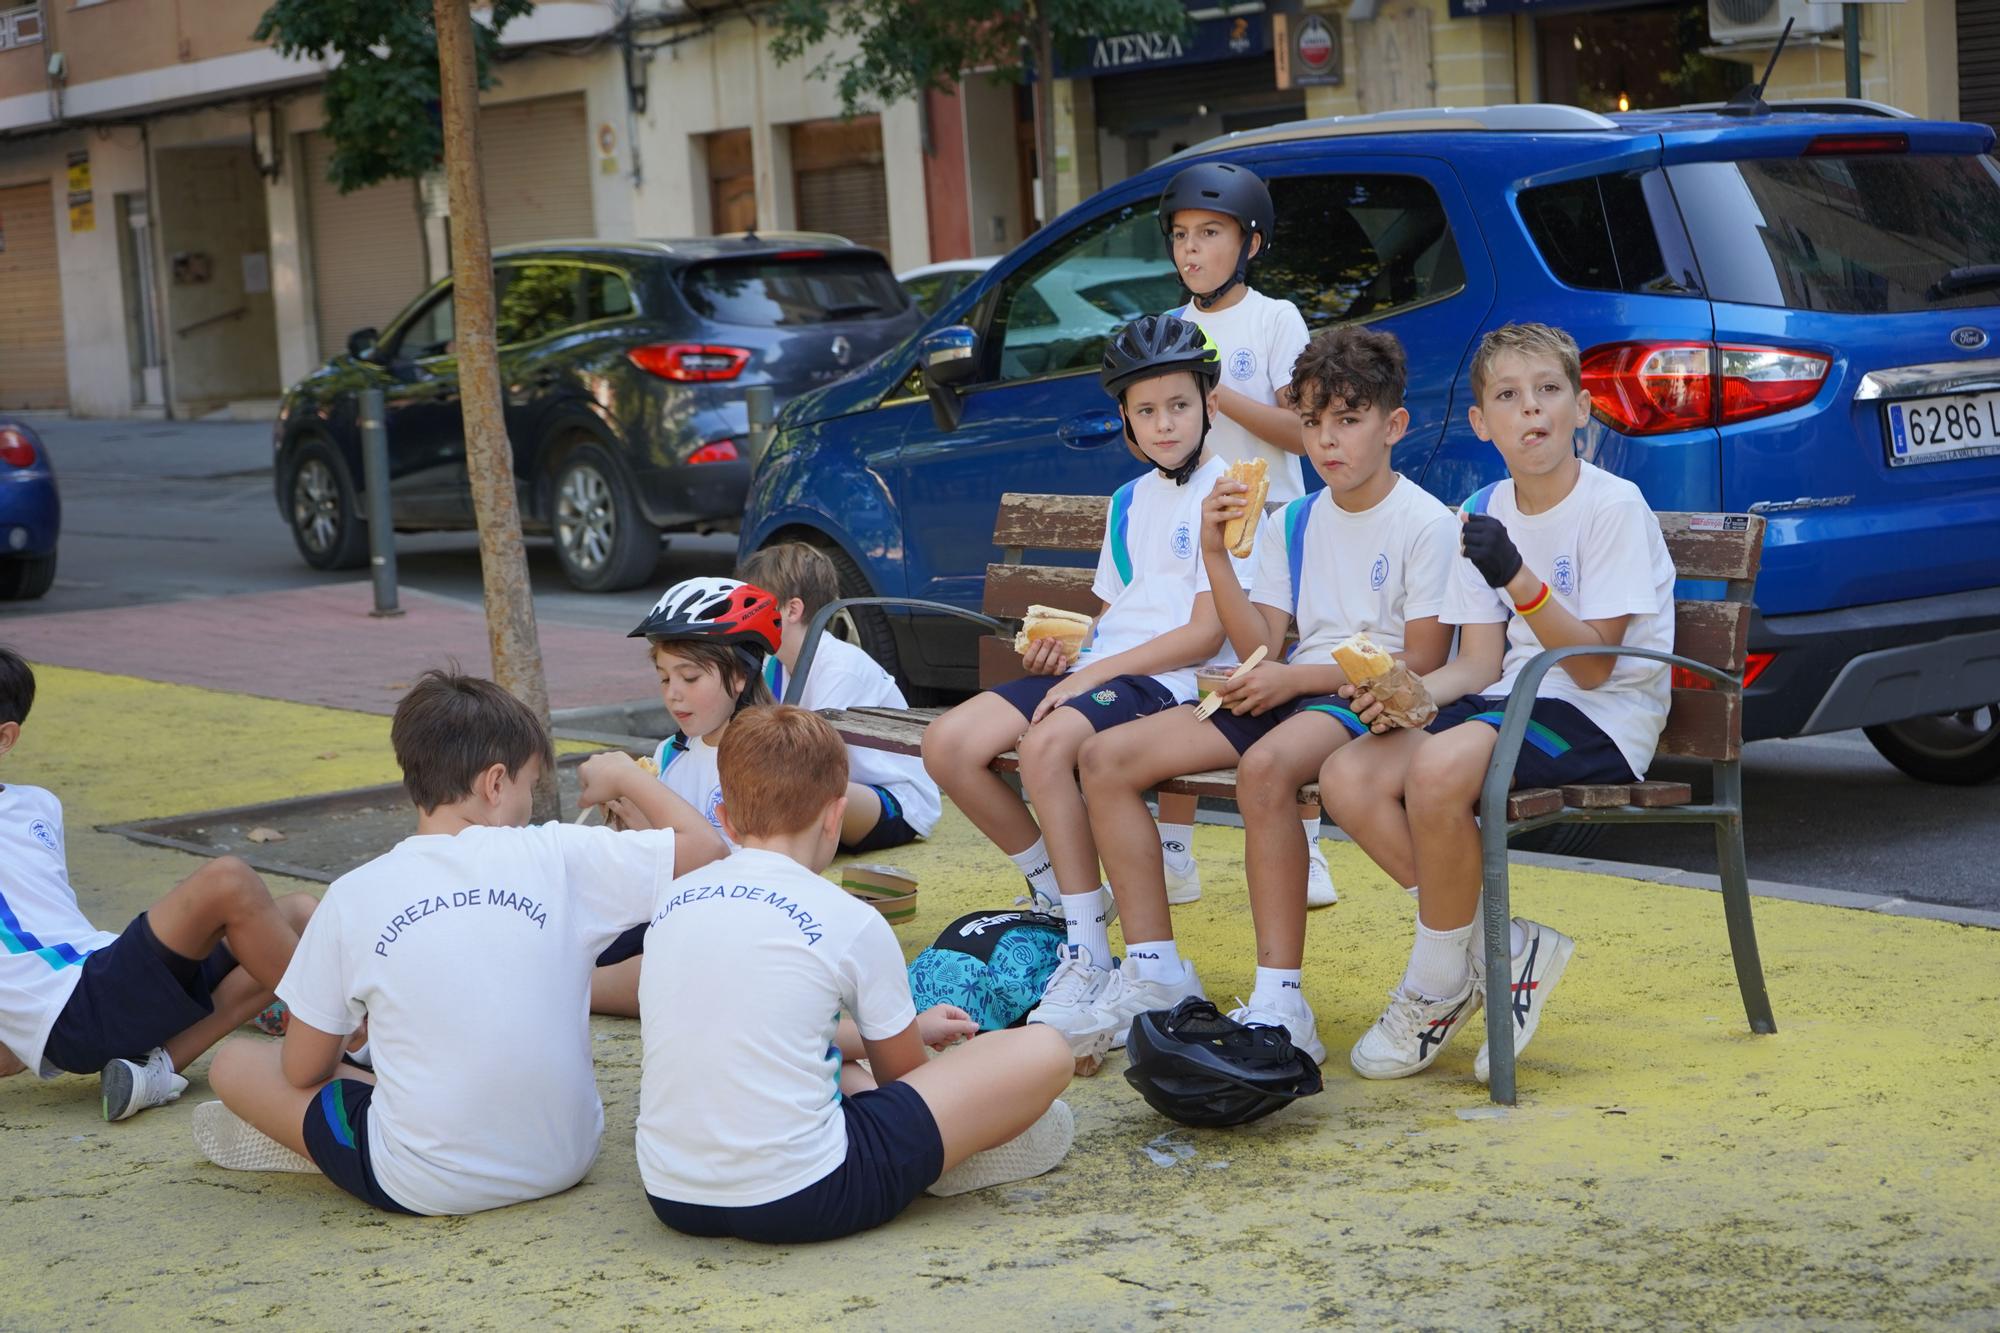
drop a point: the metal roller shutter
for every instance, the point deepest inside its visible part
(34, 364)
(838, 180)
(1979, 61)
(535, 157)
(367, 250)
(1150, 101)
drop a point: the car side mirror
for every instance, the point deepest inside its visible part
(949, 357)
(361, 342)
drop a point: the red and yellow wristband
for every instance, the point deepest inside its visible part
(1534, 604)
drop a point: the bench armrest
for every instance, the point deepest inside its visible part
(1520, 700)
(796, 684)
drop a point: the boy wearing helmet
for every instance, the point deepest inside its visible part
(463, 948)
(1156, 626)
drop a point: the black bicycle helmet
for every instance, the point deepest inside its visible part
(1196, 1067)
(1152, 345)
(1222, 187)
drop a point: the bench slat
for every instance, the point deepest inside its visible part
(1652, 795)
(1703, 724)
(1717, 633)
(1529, 802)
(1714, 546)
(1597, 796)
(1012, 589)
(1051, 522)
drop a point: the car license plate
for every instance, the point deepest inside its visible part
(1937, 430)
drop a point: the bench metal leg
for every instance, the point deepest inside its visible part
(1499, 958)
(1733, 867)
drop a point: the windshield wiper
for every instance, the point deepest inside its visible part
(1970, 278)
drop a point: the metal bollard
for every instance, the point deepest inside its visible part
(375, 480)
(760, 404)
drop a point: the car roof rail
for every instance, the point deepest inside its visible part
(1528, 118)
(1803, 106)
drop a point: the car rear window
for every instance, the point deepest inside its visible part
(1602, 233)
(771, 289)
(1858, 235)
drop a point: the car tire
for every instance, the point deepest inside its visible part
(322, 511)
(863, 626)
(1560, 839)
(603, 541)
(1960, 749)
(25, 579)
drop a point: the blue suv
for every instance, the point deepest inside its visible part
(1787, 311)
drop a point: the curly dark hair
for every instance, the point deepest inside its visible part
(1362, 367)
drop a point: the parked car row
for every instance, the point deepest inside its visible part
(30, 513)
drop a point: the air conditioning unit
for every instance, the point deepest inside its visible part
(1763, 20)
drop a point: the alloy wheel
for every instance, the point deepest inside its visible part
(585, 521)
(316, 505)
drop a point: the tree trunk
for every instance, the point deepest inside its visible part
(489, 462)
(1045, 108)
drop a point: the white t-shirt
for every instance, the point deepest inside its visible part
(1601, 552)
(844, 676)
(750, 962)
(1259, 339)
(44, 935)
(1369, 572)
(688, 770)
(1151, 567)
(470, 955)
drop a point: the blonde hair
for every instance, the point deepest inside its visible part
(1526, 340)
(779, 767)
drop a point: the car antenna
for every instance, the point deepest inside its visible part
(1750, 102)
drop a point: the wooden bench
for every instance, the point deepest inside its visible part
(1705, 721)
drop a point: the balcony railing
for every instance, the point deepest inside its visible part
(20, 26)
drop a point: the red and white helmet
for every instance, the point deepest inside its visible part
(720, 610)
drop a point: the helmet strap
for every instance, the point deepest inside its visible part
(1207, 300)
(1179, 473)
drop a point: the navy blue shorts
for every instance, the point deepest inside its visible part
(1120, 699)
(1244, 732)
(134, 994)
(1562, 745)
(628, 945)
(894, 1153)
(891, 830)
(336, 1134)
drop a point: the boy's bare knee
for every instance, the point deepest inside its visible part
(1055, 1065)
(298, 908)
(232, 1065)
(1260, 776)
(1100, 761)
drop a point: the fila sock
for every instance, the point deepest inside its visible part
(1154, 960)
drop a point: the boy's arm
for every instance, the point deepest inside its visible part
(615, 775)
(310, 1057)
(1492, 551)
(1194, 642)
(1482, 651)
(893, 1057)
(1426, 644)
(1253, 625)
(1270, 423)
(10, 1064)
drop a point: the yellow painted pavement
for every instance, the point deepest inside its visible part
(1664, 1168)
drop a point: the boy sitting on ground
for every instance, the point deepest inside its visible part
(138, 1007)
(751, 1123)
(468, 950)
(891, 801)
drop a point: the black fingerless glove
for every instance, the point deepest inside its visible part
(1490, 549)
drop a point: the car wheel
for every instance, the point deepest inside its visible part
(27, 578)
(320, 506)
(604, 543)
(1961, 749)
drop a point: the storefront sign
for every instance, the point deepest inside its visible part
(82, 212)
(1308, 48)
(1201, 42)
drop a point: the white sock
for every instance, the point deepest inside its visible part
(1439, 964)
(1278, 988)
(1084, 919)
(1312, 832)
(1413, 891)
(1034, 863)
(1183, 834)
(1517, 939)
(1155, 960)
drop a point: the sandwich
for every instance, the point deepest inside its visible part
(1239, 534)
(1405, 700)
(1046, 622)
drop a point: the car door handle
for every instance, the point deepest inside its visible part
(1089, 430)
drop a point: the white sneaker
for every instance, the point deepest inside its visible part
(1296, 1020)
(1410, 1033)
(1183, 873)
(239, 1146)
(1536, 970)
(1109, 1016)
(1319, 883)
(129, 1086)
(1039, 1148)
(1072, 988)
(1037, 901)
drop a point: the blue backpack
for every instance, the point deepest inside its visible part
(993, 965)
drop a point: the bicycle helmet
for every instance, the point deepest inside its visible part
(1196, 1067)
(1152, 345)
(1222, 187)
(721, 610)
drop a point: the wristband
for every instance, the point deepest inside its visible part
(1536, 603)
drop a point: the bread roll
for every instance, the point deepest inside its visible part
(1361, 659)
(1240, 534)
(1046, 622)
(1405, 700)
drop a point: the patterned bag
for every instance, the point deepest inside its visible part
(993, 965)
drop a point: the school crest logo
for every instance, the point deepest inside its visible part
(1183, 542)
(1565, 576)
(714, 804)
(44, 834)
(1242, 364)
(1378, 573)
(1104, 698)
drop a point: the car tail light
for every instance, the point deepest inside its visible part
(690, 363)
(1653, 388)
(1848, 145)
(16, 449)
(715, 451)
(1753, 667)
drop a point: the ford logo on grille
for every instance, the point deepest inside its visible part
(1968, 338)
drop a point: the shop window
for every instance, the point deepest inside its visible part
(1598, 234)
(1358, 247)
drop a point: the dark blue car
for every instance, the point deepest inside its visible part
(1790, 312)
(30, 513)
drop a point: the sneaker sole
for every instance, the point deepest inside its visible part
(235, 1145)
(1404, 1071)
(1564, 951)
(116, 1085)
(1039, 1149)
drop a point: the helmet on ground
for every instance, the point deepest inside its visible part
(1196, 1067)
(718, 610)
(1155, 344)
(1233, 191)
